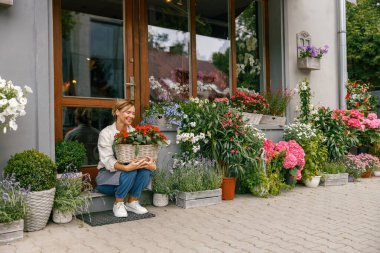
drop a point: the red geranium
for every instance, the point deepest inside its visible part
(142, 135)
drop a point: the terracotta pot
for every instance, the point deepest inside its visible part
(228, 188)
(367, 174)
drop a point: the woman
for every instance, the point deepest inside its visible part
(119, 179)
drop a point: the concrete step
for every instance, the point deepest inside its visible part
(102, 202)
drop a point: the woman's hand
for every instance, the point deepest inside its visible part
(150, 164)
(136, 164)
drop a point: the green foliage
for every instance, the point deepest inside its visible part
(161, 181)
(12, 200)
(359, 97)
(195, 179)
(315, 157)
(338, 137)
(334, 167)
(69, 156)
(278, 101)
(363, 42)
(32, 169)
(72, 194)
(305, 100)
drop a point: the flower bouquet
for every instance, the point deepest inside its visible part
(12, 104)
(141, 143)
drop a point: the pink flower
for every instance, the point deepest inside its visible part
(372, 116)
(290, 161)
(269, 149)
(222, 100)
(354, 123)
(356, 114)
(282, 146)
(299, 175)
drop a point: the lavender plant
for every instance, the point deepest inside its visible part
(12, 203)
(312, 51)
(171, 111)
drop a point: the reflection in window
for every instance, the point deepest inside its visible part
(83, 125)
(92, 49)
(247, 51)
(213, 49)
(168, 40)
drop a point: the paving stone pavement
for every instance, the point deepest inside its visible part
(324, 219)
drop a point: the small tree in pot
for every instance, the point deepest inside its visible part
(69, 156)
(38, 172)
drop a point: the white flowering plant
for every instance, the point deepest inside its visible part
(300, 132)
(12, 103)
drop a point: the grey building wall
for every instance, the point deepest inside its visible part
(26, 59)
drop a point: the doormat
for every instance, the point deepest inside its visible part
(107, 217)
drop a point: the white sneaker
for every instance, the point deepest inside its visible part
(119, 210)
(135, 207)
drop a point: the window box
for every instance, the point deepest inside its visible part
(6, 2)
(309, 63)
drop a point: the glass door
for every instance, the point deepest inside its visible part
(94, 64)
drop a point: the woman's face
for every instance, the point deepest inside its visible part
(126, 115)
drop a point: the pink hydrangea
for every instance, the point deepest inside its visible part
(282, 146)
(356, 114)
(354, 123)
(299, 175)
(290, 161)
(372, 116)
(373, 124)
(269, 149)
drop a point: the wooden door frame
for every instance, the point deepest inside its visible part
(131, 48)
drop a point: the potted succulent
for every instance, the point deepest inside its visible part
(161, 187)
(12, 209)
(196, 183)
(69, 156)
(36, 171)
(72, 195)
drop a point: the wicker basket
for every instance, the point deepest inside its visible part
(126, 153)
(39, 205)
(252, 118)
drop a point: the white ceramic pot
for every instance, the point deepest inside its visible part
(376, 173)
(160, 200)
(61, 218)
(313, 182)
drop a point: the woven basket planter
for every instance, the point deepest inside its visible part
(252, 118)
(39, 205)
(126, 153)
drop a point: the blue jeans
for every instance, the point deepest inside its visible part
(131, 182)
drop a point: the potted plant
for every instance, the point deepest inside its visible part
(359, 97)
(309, 57)
(69, 156)
(278, 102)
(161, 187)
(315, 151)
(37, 172)
(12, 209)
(334, 173)
(72, 195)
(252, 104)
(13, 102)
(163, 114)
(196, 183)
(143, 142)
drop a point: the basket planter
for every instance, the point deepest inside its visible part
(252, 118)
(272, 120)
(313, 182)
(309, 63)
(200, 198)
(126, 153)
(10, 232)
(62, 217)
(334, 179)
(160, 200)
(39, 205)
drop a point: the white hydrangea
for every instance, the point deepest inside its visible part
(12, 103)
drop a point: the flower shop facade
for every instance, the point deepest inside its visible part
(87, 54)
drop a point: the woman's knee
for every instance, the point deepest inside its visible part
(127, 176)
(145, 172)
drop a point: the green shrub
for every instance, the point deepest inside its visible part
(161, 181)
(334, 167)
(69, 196)
(195, 179)
(32, 168)
(69, 156)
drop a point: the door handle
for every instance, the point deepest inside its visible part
(131, 86)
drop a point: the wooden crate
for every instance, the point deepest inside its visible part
(334, 179)
(197, 199)
(272, 120)
(11, 232)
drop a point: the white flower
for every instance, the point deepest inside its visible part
(193, 124)
(23, 100)
(13, 125)
(28, 89)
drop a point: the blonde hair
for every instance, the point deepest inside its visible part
(120, 105)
